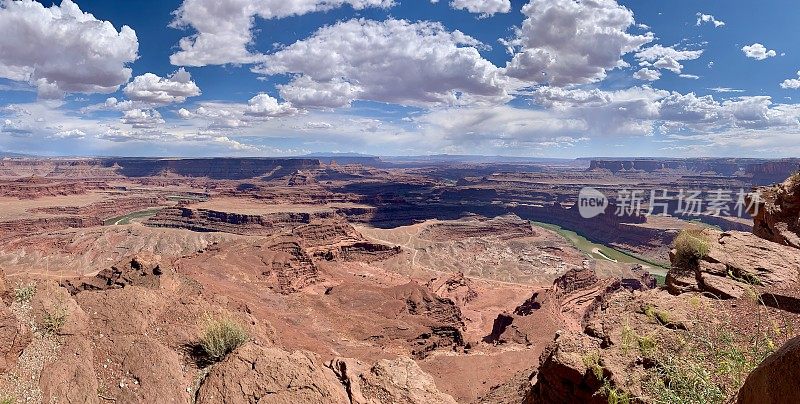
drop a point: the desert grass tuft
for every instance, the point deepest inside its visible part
(221, 336)
(691, 246)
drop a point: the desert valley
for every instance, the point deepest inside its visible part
(353, 279)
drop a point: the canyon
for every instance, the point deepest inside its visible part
(382, 280)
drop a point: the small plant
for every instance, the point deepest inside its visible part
(592, 362)
(654, 314)
(221, 336)
(613, 394)
(7, 400)
(645, 344)
(691, 245)
(54, 320)
(24, 294)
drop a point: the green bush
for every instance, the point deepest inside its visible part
(24, 294)
(7, 400)
(691, 245)
(221, 336)
(54, 320)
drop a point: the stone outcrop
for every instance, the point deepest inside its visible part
(253, 374)
(775, 381)
(776, 212)
(570, 301)
(280, 263)
(389, 381)
(14, 337)
(143, 270)
(736, 261)
(5, 289)
(442, 317)
(455, 287)
(577, 364)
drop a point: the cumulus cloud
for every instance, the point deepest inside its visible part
(153, 89)
(666, 57)
(394, 61)
(225, 27)
(62, 49)
(486, 8)
(304, 92)
(142, 118)
(565, 42)
(229, 115)
(184, 113)
(647, 74)
(792, 83)
(264, 106)
(708, 18)
(758, 51)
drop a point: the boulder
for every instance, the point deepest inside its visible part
(14, 337)
(71, 377)
(140, 270)
(776, 379)
(6, 293)
(776, 212)
(735, 262)
(255, 374)
(389, 381)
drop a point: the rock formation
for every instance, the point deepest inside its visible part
(776, 212)
(388, 381)
(254, 374)
(455, 287)
(143, 270)
(775, 380)
(734, 262)
(14, 337)
(569, 302)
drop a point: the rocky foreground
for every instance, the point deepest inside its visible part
(208, 302)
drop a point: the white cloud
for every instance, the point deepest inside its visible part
(62, 49)
(486, 8)
(666, 57)
(392, 61)
(225, 27)
(142, 118)
(707, 18)
(69, 134)
(792, 83)
(647, 74)
(184, 113)
(758, 51)
(304, 92)
(565, 42)
(150, 88)
(689, 76)
(497, 128)
(265, 106)
(726, 90)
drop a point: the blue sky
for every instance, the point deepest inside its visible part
(556, 78)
